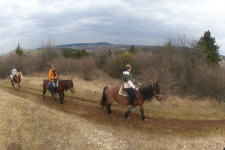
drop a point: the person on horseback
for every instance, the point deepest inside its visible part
(14, 73)
(53, 76)
(129, 86)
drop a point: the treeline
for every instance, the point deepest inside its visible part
(183, 67)
(74, 53)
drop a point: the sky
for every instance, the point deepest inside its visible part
(143, 22)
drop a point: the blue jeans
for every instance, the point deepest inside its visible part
(53, 86)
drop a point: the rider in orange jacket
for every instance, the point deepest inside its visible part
(53, 76)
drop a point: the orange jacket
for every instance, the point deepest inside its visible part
(52, 75)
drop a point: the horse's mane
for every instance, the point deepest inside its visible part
(63, 82)
(147, 92)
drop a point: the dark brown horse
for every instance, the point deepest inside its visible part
(63, 85)
(17, 80)
(111, 94)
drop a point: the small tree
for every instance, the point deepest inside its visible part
(209, 47)
(19, 50)
(132, 50)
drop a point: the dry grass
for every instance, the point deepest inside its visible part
(28, 122)
(187, 108)
(222, 63)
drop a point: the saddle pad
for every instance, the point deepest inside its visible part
(122, 92)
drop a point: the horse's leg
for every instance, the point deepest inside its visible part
(142, 113)
(127, 113)
(109, 109)
(12, 84)
(61, 98)
(44, 91)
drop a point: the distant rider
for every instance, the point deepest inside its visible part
(129, 86)
(53, 76)
(14, 73)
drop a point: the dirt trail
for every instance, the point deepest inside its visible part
(24, 121)
(90, 110)
(33, 123)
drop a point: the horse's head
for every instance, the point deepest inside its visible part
(70, 86)
(156, 90)
(20, 75)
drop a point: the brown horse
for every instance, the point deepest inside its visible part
(111, 94)
(63, 85)
(17, 80)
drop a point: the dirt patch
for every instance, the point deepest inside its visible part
(14, 146)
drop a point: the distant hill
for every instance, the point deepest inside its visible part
(104, 46)
(88, 46)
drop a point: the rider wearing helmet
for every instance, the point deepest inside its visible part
(53, 76)
(129, 86)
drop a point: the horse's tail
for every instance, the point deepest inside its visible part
(44, 88)
(103, 97)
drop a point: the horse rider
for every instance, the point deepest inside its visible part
(53, 76)
(14, 73)
(129, 86)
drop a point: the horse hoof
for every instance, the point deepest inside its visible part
(145, 119)
(111, 114)
(127, 118)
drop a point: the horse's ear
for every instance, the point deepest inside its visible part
(157, 82)
(71, 80)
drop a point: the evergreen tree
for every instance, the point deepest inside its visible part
(132, 50)
(209, 47)
(19, 50)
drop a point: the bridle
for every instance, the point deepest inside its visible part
(156, 95)
(70, 88)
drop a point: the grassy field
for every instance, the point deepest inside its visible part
(29, 122)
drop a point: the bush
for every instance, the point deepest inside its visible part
(84, 67)
(27, 65)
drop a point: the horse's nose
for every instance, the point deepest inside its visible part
(72, 90)
(159, 97)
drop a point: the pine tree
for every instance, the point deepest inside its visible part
(132, 50)
(19, 50)
(209, 47)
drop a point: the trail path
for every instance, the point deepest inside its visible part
(28, 122)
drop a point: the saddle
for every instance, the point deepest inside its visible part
(122, 92)
(12, 78)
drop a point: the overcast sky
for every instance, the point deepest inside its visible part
(147, 22)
